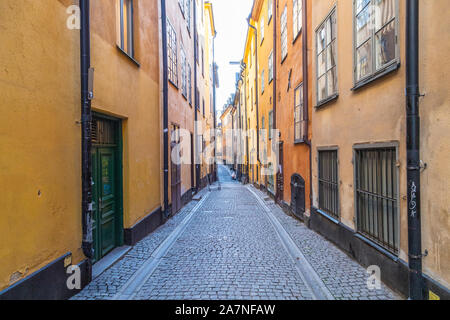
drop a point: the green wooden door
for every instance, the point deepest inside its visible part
(105, 213)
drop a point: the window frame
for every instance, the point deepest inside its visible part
(378, 146)
(269, 11)
(295, 32)
(335, 217)
(270, 124)
(188, 9)
(183, 61)
(129, 49)
(303, 121)
(387, 67)
(270, 67)
(335, 95)
(172, 65)
(262, 82)
(261, 30)
(283, 27)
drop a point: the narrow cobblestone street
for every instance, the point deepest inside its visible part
(234, 243)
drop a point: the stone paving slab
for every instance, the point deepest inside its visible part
(345, 278)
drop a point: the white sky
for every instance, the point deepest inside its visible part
(230, 17)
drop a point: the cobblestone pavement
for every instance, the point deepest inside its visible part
(230, 250)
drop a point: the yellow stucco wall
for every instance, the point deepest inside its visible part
(435, 137)
(377, 113)
(40, 175)
(40, 137)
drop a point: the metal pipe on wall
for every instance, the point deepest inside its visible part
(86, 121)
(165, 107)
(413, 151)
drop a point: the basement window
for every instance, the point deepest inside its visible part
(328, 182)
(376, 187)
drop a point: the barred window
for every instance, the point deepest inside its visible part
(284, 35)
(172, 54)
(270, 67)
(326, 58)
(328, 182)
(298, 17)
(375, 33)
(377, 196)
(300, 119)
(125, 26)
(183, 73)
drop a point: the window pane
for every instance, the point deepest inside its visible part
(329, 30)
(363, 30)
(331, 55)
(321, 63)
(331, 81)
(384, 12)
(298, 131)
(322, 90)
(333, 25)
(385, 45)
(364, 60)
(360, 4)
(321, 39)
(297, 97)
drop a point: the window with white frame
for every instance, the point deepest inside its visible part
(189, 80)
(188, 14)
(262, 82)
(270, 124)
(375, 34)
(262, 29)
(172, 54)
(300, 119)
(270, 67)
(125, 26)
(284, 35)
(269, 11)
(181, 4)
(297, 17)
(183, 72)
(326, 59)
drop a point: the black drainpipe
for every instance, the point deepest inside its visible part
(197, 102)
(306, 90)
(86, 143)
(214, 102)
(165, 107)
(256, 91)
(274, 93)
(413, 150)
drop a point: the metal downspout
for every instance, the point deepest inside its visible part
(86, 121)
(165, 108)
(413, 151)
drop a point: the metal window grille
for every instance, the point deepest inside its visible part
(377, 196)
(328, 183)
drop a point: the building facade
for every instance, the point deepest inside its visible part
(41, 221)
(359, 137)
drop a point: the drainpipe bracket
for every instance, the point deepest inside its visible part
(423, 255)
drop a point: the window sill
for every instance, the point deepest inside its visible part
(172, 83)
(387, 253)
(284, 59)
(385, 71)
(128, 56)
(327, 216)
(322, 103)
(300, 141)
(270, 19)
(297, 36)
